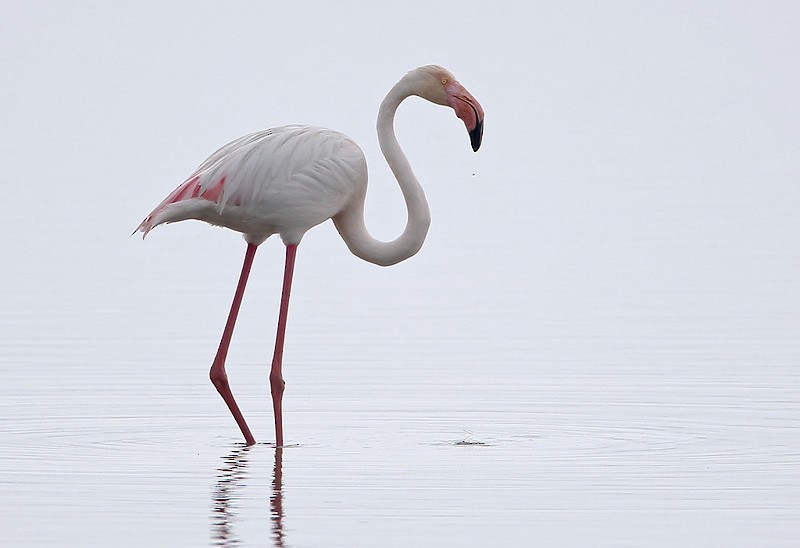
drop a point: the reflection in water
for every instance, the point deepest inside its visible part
(276, 498)
(229, 489)
(226, 491)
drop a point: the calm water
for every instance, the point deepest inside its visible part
(591, 447)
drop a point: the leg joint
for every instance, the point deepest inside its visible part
(219, 379)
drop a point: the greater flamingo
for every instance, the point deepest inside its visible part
(289, 179)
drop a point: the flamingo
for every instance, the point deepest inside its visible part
(286, 180)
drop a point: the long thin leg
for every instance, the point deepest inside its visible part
(276, 375)
(217, 374)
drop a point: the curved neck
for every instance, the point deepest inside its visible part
(350, 222)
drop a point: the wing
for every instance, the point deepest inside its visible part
(290, 175)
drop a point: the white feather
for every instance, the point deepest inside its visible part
(282, 180)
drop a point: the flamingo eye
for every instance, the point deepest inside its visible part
(444, 81)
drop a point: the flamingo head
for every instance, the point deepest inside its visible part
(439, 86)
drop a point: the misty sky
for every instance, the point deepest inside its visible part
(609, 126)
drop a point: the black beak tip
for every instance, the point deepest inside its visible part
(476, 136)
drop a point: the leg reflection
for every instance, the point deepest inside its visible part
(276, 499)
(228, 494)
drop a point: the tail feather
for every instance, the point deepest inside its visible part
(188, 190)
(145, 226)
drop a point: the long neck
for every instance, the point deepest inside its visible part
(350, 222)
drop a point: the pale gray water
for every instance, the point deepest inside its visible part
(596, 347)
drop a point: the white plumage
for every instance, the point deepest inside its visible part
(282, 180)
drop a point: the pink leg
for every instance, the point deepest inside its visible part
(276, 375)
(217, 374)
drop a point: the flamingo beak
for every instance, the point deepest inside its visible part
(469, 110)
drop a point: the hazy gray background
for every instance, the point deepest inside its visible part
(608, 297)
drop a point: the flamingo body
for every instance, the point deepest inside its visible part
(283, 180)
